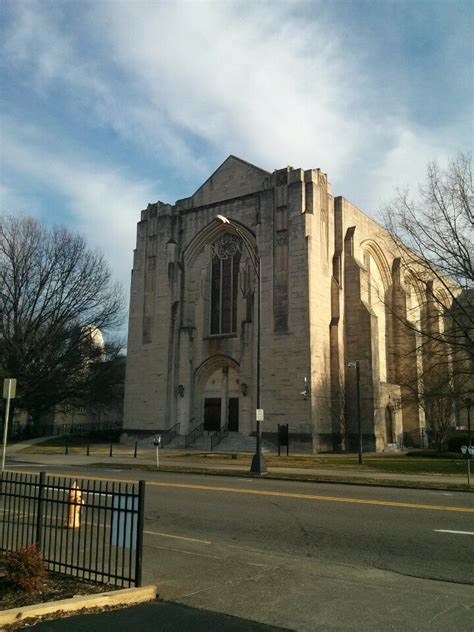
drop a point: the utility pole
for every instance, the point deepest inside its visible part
(9, 392)
(356, 365)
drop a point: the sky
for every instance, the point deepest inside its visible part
(107, 106)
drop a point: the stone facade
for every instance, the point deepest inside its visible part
(331, 286)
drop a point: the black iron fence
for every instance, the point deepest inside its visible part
(89, 528)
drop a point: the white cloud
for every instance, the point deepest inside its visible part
(188, 83)
(103, 202)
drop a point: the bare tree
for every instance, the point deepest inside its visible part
(434, 235)
(56, 296)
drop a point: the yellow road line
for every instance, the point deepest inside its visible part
(255, 492)
(335, 499)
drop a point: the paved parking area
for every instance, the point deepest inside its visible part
(165, 617)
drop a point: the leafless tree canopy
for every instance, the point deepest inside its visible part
(55, 293)
(434, 233)
(439, 224)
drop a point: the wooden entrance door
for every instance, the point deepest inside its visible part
(233, 414)
(212, 413)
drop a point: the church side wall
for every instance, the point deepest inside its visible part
(147, 398)
(320, 240)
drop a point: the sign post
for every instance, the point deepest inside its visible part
(157, 443)
(9, 392)
(468, 452)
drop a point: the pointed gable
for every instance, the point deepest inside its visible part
(233, 178)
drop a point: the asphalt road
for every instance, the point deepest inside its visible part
(309, 556)
(336, 523)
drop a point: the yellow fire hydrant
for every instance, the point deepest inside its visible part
(75, 506)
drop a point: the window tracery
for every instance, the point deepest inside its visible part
(226, 253)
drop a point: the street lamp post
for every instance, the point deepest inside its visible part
(468, 402)
(258, 465)
(355, 365)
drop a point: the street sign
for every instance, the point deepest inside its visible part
(124, 521)
(9, 388)
(259, 414)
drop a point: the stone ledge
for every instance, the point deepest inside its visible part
(125, 597)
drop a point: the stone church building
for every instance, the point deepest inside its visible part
(333, 292)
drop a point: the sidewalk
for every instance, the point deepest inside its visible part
(175, 461)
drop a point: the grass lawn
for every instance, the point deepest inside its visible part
(393, 464)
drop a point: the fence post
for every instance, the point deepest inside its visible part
(140, 518)
(39, 514)
(135, 453)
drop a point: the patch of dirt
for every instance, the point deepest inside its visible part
(53, 587)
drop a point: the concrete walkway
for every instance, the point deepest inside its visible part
(22, 445)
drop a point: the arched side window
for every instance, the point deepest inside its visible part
(225, 260)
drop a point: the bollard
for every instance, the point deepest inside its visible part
(88, 448)
(75, 506)
(110, 453)
(67, 448)
(135, 453)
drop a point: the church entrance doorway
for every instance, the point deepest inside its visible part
(212, 414)
(221, 400)
(233, 414)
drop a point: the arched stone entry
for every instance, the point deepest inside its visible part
(217, 393)
(389, 425)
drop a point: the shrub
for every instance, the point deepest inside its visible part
(25, 567)
(455, 443)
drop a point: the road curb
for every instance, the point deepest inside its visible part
(123, 597)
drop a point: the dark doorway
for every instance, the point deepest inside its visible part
(233, 414)
(388, 425)
(212, 413)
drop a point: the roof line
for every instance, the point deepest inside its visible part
(245, 162)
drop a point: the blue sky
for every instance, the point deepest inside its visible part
(106, 106)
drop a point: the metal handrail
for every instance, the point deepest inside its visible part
(194, 434)
(170, 434)
(217, 437)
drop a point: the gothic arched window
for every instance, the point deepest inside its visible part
(225, 260)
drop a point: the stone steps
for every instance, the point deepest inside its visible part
(234, 442)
